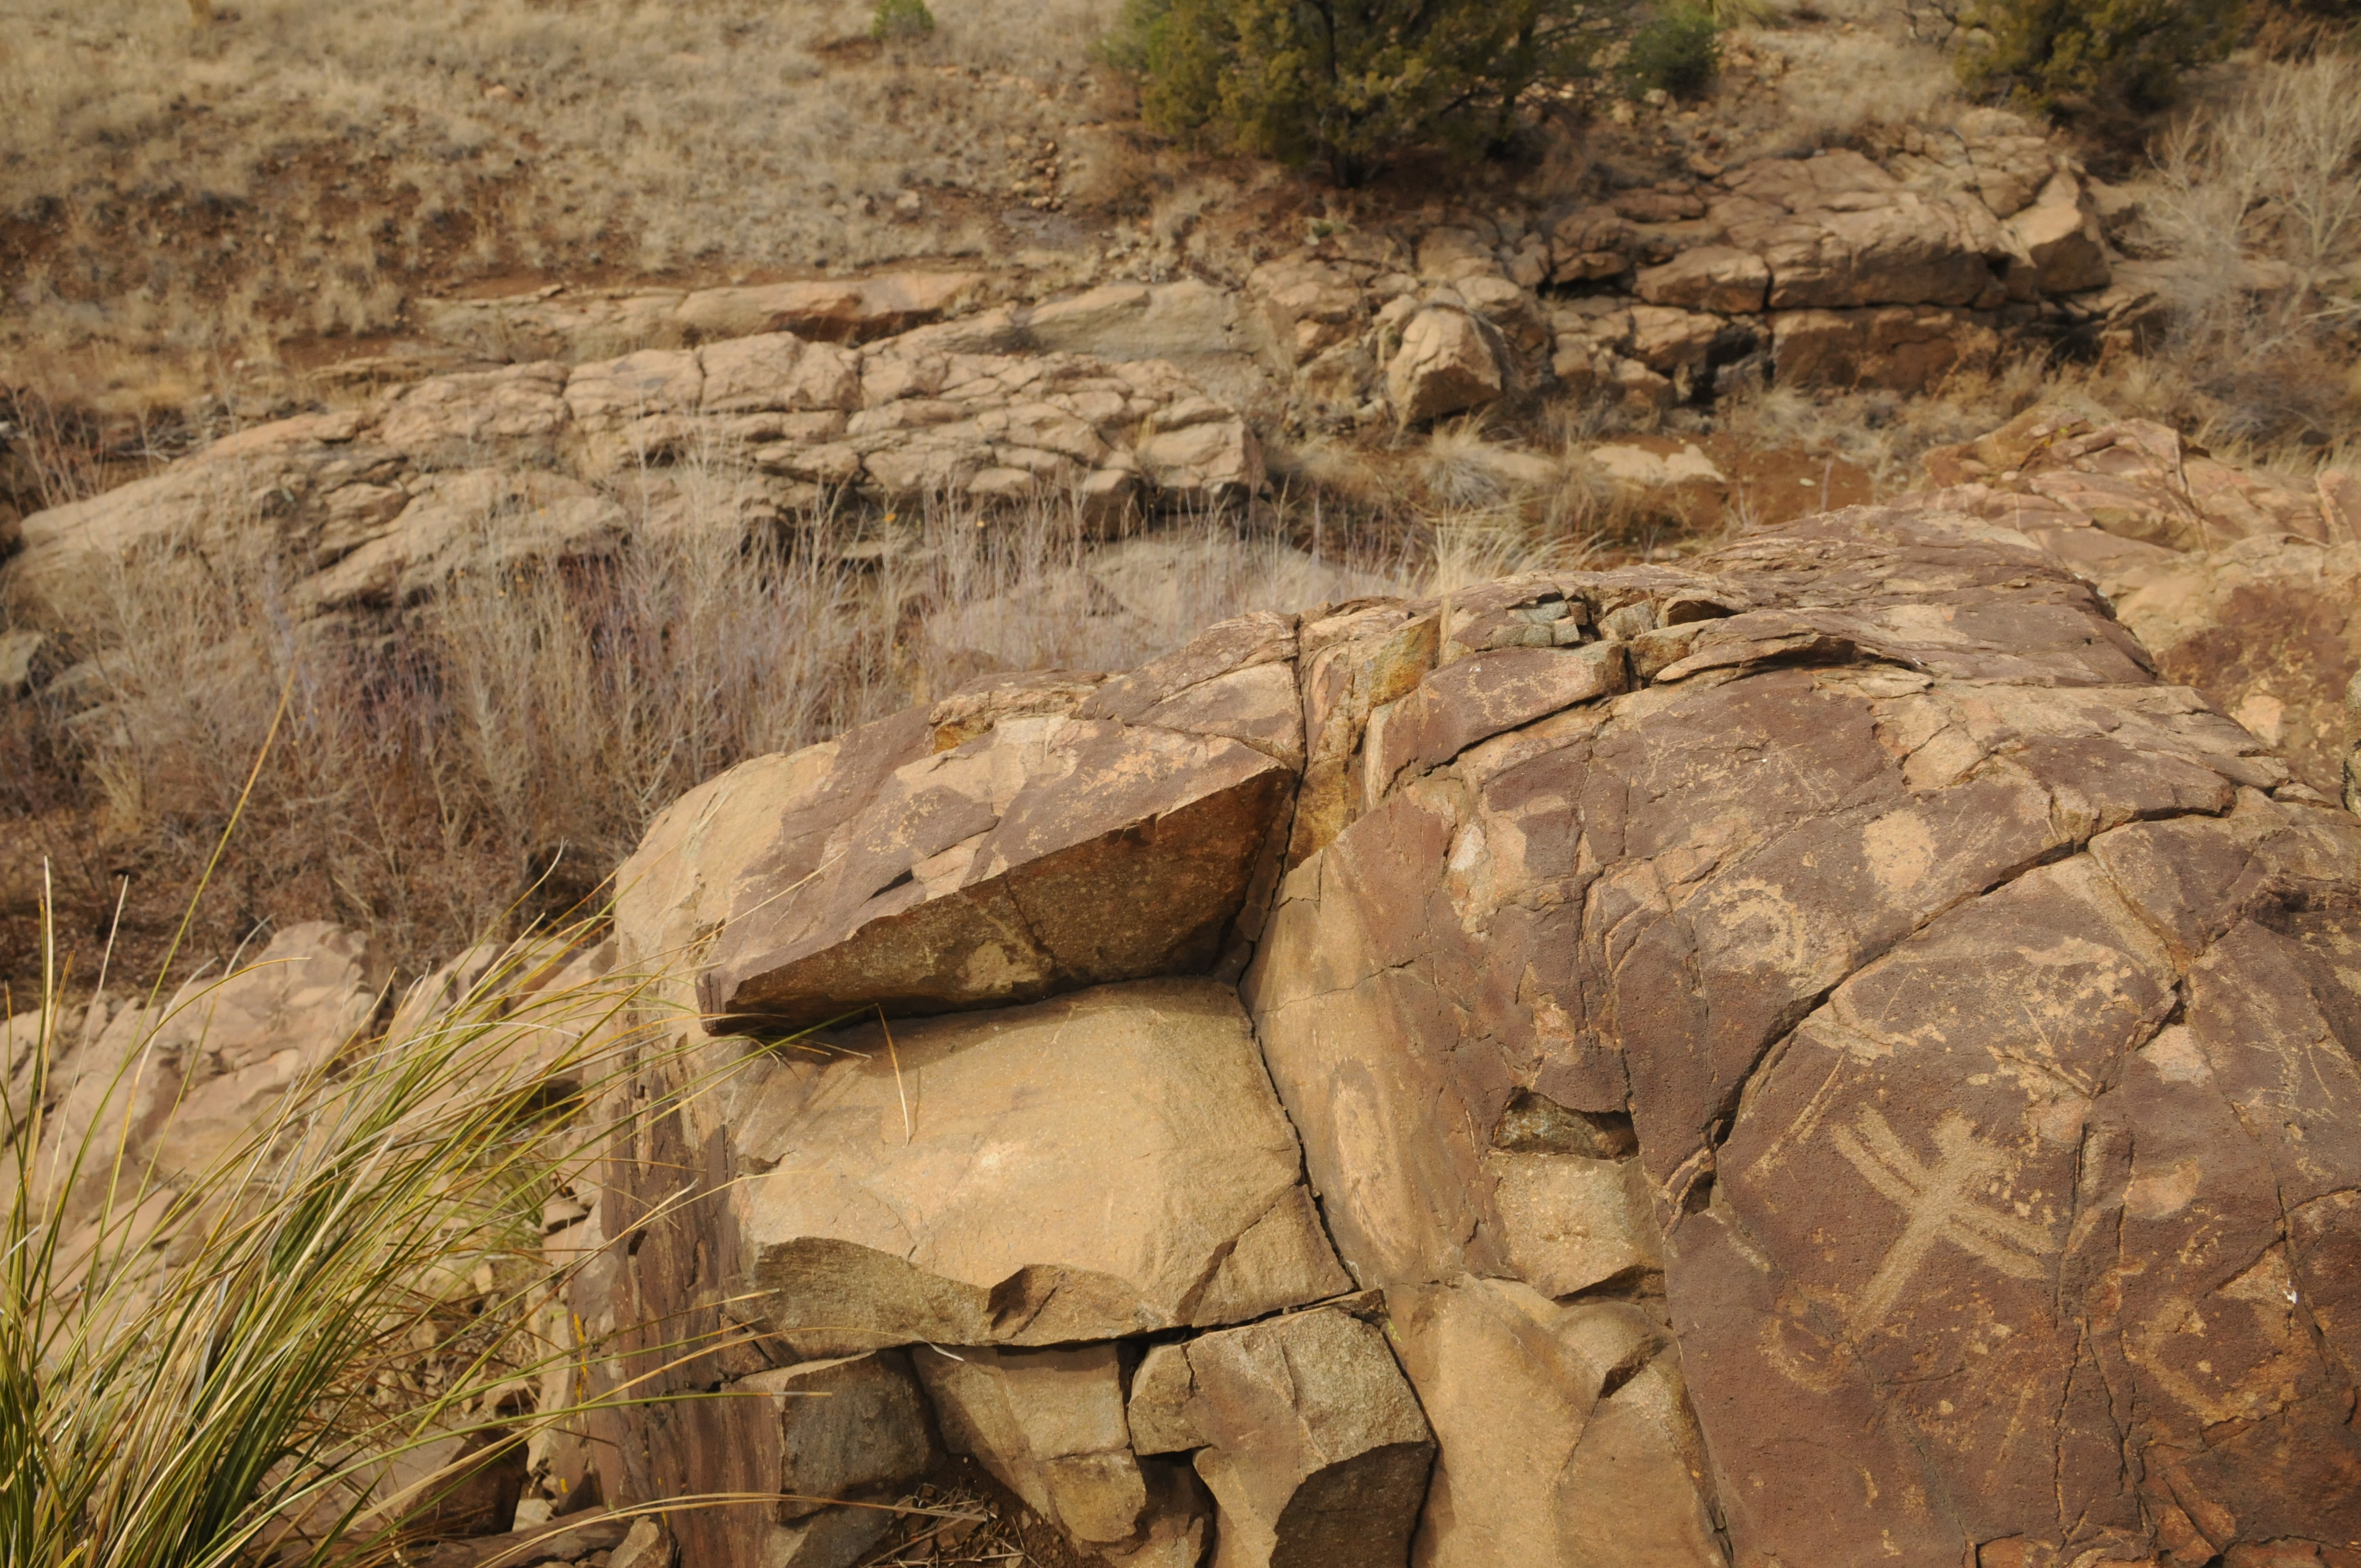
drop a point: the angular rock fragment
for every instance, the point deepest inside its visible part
(217, 1060)
(1111, 1163)
(1049, 1425)
(452, 421)
(1305, 1433)
(2060, 232)
(1046, 855)
(474, 518)
(1445, 366)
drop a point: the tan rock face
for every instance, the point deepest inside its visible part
(1140, 1177)
(1305, 1433)
(1621, 915)
(1049, 1425)
(1044, 854)
(1445, 366)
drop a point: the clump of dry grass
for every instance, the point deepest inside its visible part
(491, 751)
(1884, 433)
(2259, 202)
(229, 1365)
(291, 169)
(1825, 86)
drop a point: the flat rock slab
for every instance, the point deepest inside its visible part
(1305, 1432)
(1046, 855)
(1111, 1163)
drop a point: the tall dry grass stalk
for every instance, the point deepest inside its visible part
(323, 1330)
(2260, 205)
(498, 745)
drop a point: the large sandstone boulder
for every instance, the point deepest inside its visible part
(1141, 1177)
(1710, 277)
(1815, 1055)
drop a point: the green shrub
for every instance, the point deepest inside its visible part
(1679, 53)
(1351, 82)
(2112, 55)
(899, 21)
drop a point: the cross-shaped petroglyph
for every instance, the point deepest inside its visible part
(1940, 1203)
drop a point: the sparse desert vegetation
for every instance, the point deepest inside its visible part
(283, 170)
(215, 219)
(538, 535)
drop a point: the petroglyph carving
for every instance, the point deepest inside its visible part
(1940, 1201)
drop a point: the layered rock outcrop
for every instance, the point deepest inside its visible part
(379, 503)
(2240, 583)
(1830, 271)
(1838, 269)
(1819, 1055)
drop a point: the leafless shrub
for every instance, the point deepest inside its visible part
(2260, 205)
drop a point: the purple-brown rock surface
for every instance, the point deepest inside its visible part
(1818, 1055)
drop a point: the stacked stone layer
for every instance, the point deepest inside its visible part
(1818, 1055)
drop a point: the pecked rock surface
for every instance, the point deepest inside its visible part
(1816, 1055)
(2242, 584)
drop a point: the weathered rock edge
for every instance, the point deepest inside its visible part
(1819, 1054)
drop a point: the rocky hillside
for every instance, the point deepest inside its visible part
(1646, 857)
(1817, 1053)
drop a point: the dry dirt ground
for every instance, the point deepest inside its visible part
(185, 206)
